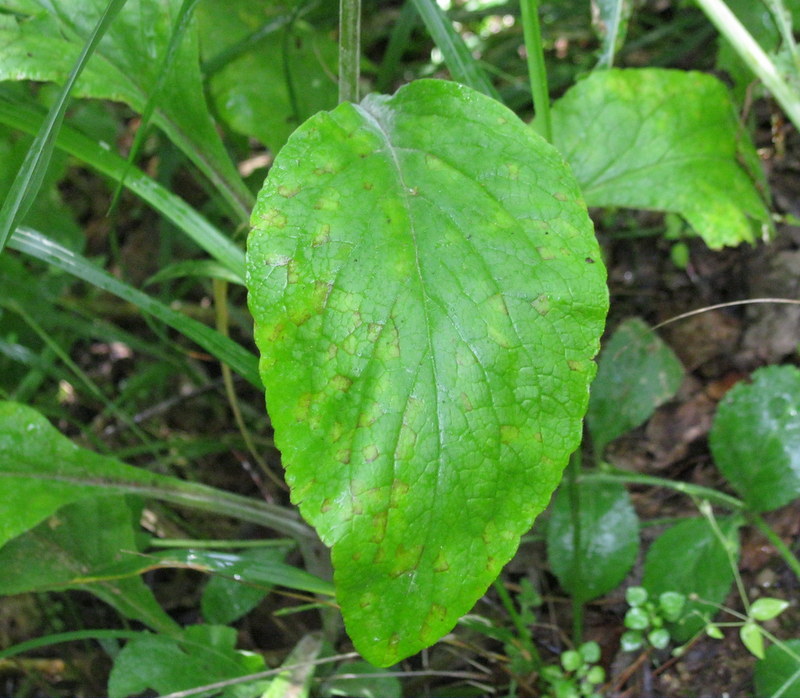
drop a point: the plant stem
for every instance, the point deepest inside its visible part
(537, 73)
(625, 477)
(523, 631)
(785, 552)
(573, 473)
(349, 49)
(754, 56)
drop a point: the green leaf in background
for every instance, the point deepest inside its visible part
(125, 69)
(609, 538)
(75, 542)
(755, 438)
(636, 373)
(665, 140)
(688, 558)
(42, 471)
(284, 77)
(203, 654)
(610, 20)
(428, 296)
(779, 671)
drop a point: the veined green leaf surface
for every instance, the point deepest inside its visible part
(666, 140)
(428, 296)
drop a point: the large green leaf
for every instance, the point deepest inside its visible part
(125, 68)
(428, 296)
(755, 438)
(636, 373)
(665, 140)
(60, 554)
(42, 471)
(607, 538)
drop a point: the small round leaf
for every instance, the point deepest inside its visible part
(637, 619)
(636, 596)
(659, 638)
(590, 651)
(631, 641)
(571, 660)
(671, 604)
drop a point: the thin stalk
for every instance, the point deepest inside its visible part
(783, 550)
(221, 544)
(754, 56)
(573, 473)
(349, 49)
(523, 631)
(221, 309)
(625, 477)
(537, 72)
(730, 552)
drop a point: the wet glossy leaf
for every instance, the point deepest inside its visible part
(636, 373)
(755, 438)
(689, 559)
(58, 554)
(665, 140)
(609, 539)
(779, 671)
(428, 296)
(202, 654)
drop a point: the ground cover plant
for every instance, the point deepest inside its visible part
(201, 210)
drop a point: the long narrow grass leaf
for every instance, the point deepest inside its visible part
(463, 66)
(58, 638)
(226, 350)
(99, 156)
(31, 175)
(181, 23)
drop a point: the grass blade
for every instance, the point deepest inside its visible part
(97, 155)
(181, 23)
(226, 350)
(463, 66)
(31, 175)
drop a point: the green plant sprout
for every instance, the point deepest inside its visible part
(645, 620)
